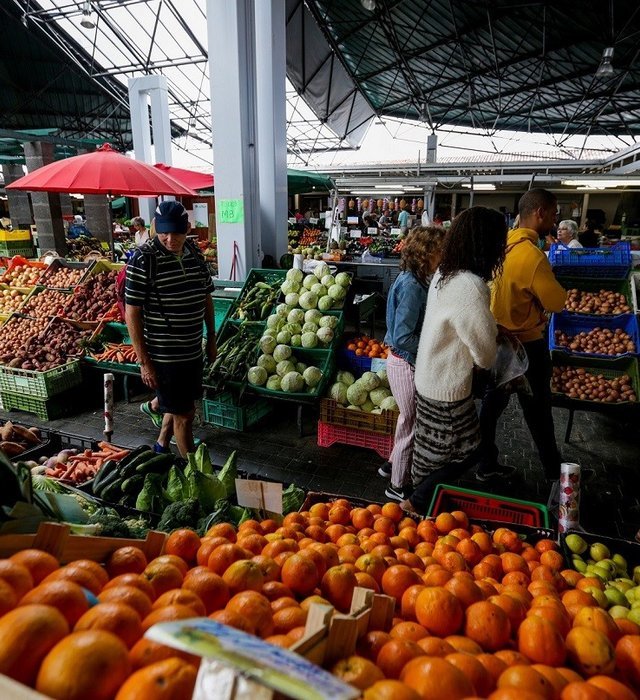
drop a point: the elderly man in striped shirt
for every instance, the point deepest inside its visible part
(168, 295)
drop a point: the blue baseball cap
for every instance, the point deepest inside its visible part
(171, 217)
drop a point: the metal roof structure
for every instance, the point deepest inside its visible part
(505, 64)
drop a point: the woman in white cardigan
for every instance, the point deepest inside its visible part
(458, 334)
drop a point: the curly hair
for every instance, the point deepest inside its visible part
(421, 250)
(476, 242)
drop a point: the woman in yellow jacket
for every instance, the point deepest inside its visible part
(522, 295)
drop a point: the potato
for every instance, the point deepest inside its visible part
(600, 341)
(604, 302)
(580, 383)
(62, 277)
(93, 298)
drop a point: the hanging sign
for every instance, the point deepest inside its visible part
(230, 211)
(200, 214)
(314, 221)
(372, 231)
(396, 231)
(355, 233)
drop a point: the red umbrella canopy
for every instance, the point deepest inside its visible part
(190, 178)
(103, 171)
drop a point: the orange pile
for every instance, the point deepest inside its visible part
(364, 346)
(477, 615)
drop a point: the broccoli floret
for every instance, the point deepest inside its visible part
(181, 514)
(138, 527)
(111, 524)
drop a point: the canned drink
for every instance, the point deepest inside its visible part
(569, 498)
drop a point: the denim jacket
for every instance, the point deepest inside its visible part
(406, 304)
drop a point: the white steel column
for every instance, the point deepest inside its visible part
(141, 90)
(230, 29)
(271, 68)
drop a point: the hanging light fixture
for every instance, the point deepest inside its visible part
(86, 20)
(605, 69)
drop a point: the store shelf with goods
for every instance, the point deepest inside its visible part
(237, 350)
(258, 295)
(563, 328)
(98, 266)
(613, 262)
(43, 302)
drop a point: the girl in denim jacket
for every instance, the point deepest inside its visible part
(406, 303)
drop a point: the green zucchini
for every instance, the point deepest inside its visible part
(105, 483)
(158, 464)
(132, 485)
(133, 455)
(107, 468)
(112, 492)
(131, 467)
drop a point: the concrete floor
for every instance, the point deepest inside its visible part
(273, 449)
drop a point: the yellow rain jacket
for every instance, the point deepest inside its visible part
(526, 288)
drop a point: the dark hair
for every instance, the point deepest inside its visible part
(476, 242)
(421, 245)
(536, 199)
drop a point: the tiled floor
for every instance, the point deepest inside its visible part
(273, 448)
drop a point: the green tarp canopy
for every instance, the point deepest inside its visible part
(301, 182)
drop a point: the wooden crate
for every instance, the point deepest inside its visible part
(55, 539)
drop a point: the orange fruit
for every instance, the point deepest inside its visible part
(284, 602)
(172, 560)
(208, 544)
(162, 577)
(128, 595)
(27, 634)
(253, 543)
(280, 640)
(181, 596)
(167, 613)
(288, 618)
(163, 680)
(557, 680)
(126, 560)
(232, 619)
(337, 586)
(117, 618)
(225, 530)
(628, 658)
(357, 671)
(17, 576)
(224, 555)
(461, 643)
(88, 664)
(243, 575)
(209, 587)
(616, 689)
(98, 571)
(390, 690)
(255, 608)
(65, 596)
(488, 625)
(393, 656)
(408, 602)
(516, 611)
(480, 678)
(553, 614)
(370, 644)
(135, 580)
(465, 590)
(515, 694)
(183, 543)
(526, 678)
(300, 574)
(598, 619)
(373, 565)
(40, 564)
(439, 611)
(493, 664)
(434, 646)
(541, 641)
(581, 690)
(590, 651)
(396, 580)
(436, 679)
(77, 574)
(392, 511)
(272, 590)
(269, 567)
(8, 598)
(339, 515)
(361, 518)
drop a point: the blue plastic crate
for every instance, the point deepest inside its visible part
(612, 262)
(572, 325)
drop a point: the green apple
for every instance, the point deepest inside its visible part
(616, 597)
(618, 611)
(634, 616)
(579, 565)
(636, 574)
(633, 594)
(604, 572)
(621, 564)
(576, 544)
(635, 604)
(599, 551)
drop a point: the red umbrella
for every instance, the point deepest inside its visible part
(190, 178)
(103, 171)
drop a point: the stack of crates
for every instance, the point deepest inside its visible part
(594, 270)
(16, 242)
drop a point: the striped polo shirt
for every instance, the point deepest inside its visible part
(173, 305)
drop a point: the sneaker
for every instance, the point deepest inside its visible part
(385, 470)
(499, 471)
(397, 494)
(155, 416)
(196, 441)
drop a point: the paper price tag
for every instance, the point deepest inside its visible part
(264, 495)
(314, 221)
(355, 233)
(230, 211)
(378, 363)
(292, 220)
(372, 231)
(396, 231)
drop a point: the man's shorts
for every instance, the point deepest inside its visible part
(179, 385)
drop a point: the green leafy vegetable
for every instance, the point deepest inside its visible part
(181, 514)
(208, 490)
(177, 485)
(292, 499)
(200, 460)
(228, 474)
(150, 498)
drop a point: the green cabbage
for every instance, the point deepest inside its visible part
(329, 322)
(312, 316)
(308, 300)
(343, 279)
(345, 378)
(292, 382)
(378, 395)
(328, 280)
(321, 269)
(268, 363)
(357, 394)
(268, 344)
(281, 352)
(274, 383)
(370, 381)
(295, 275)
(309, 340)
(325, 303)
(312, 376)
(325, 335)
(337, 292)
(389, 404)
(284, 367)
(292, 299)
(257, 376)
(338, 392)
(309, 281)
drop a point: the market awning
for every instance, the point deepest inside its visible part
(191, 178)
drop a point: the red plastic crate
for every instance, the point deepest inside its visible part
(329, 434)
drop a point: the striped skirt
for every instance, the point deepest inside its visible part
(445, 433)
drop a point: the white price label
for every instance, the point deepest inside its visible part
(396, 231)
(314, 221)
(264, 495)
(371, 231)
(292, 220)
(377, 363)
(355, 233)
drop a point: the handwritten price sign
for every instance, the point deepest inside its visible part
(230, 211)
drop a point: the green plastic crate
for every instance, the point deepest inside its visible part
(221, 306)
(10, 248)
(223, 412)
(487, 506)
(45, 409)
(40, 385)
(607, 368)
(258, 275)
